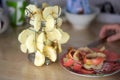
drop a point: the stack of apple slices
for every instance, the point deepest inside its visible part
(45, 36)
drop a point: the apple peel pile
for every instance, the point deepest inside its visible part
(90, 61)
(44, 36)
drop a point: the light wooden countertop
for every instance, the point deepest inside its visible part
(14, 64)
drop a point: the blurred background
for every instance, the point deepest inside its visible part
(99, 3)
(12, 11)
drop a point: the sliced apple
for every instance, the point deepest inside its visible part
(40, 41)
(30, 43)
(59, 22)
(23, 48)
(56, 11)
(49, 25)
(50, 52)
(54, 35)
(39, 59)
(46, 12)
(31, 10)
(24, 35)
(65, 36)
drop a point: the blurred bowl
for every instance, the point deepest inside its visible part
(82, 21)
(108, 18)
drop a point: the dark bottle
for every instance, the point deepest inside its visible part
(107, 8)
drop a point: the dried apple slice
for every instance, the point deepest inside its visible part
(50, 22)
(39, 59)
(36, 21)
(24, 35)
(23, 48)
(59, 22)
(65, 37)
(30, 43)
(48, 42)
(76, 55)
(40, 41)
(68, 62)
(56, 11)
(87, 66)
(31, 10)
(50, 52)
(46, 12)
(59, 48)
(54, 35)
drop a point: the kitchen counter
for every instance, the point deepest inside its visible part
(14, 64)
